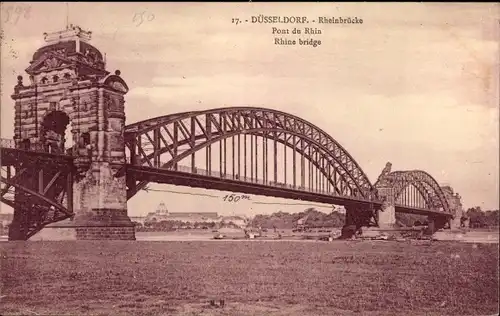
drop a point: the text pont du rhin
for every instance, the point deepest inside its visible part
(304, 40)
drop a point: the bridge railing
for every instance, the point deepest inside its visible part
(221, 175)
(10, 143)
(34, 147)
(218, 174)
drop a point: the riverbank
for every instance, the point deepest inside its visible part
(467, 236)
(252, 277)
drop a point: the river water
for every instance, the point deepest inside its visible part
(468, 237)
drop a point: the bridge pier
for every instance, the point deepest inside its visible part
(386, 217)
(99, 202)
(356, 217)
(435, 223)
(454, 200)
(100, 205)
(455, 223)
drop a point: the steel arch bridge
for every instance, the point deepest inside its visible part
(241, 149)
(254, 143)
(165, 141)
(415, 187)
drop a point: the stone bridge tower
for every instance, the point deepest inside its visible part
(69, 88)
(386, 216)
(455, 201)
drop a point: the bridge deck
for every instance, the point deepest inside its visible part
(184, 178)
(11, 156)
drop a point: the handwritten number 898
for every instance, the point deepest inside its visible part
(14, 13)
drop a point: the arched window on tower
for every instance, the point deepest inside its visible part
(84, 144)
(55, 79)
(86, 138)
(67, 76)
(44, 80)
(25, 144)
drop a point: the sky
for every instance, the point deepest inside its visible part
(416, 84)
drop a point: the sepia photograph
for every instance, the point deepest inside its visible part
(248, 159)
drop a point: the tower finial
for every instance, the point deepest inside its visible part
(67, 16)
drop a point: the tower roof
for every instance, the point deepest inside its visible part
(71, 33)
(70, 45)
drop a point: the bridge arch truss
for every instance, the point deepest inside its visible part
(247, 137)
(414, 189)
(38, 186)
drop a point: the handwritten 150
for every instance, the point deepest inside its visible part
(140, 17)
(235, 198)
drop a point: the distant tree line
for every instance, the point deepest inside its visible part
(173, 225)
(284, 220)
(478, 218)
(474, 217)
(409, 220)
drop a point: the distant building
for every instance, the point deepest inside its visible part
(162, 214)
(194, 217)
(159, 215)
(237, 220)
(138, 219)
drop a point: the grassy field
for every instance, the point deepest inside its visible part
(254, 278)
